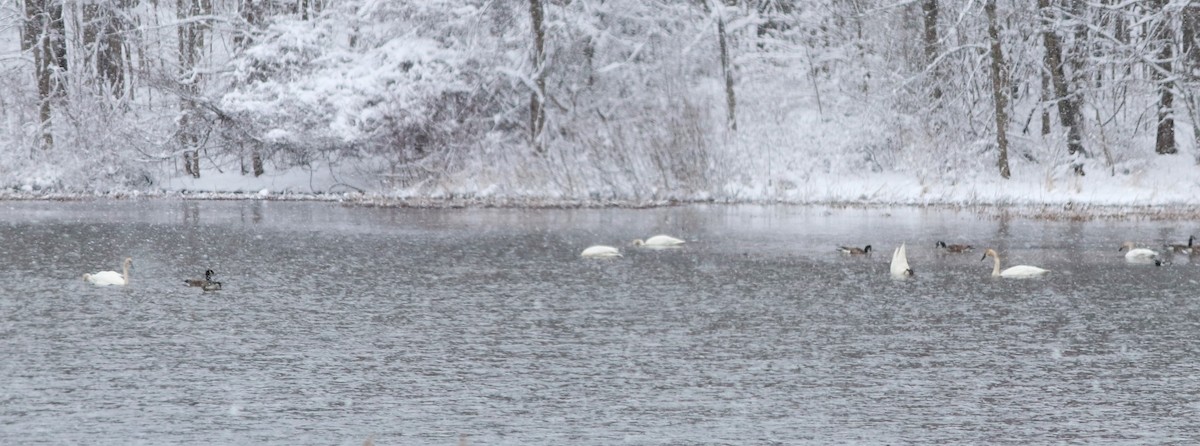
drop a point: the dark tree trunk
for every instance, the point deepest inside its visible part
(929, 10)
(1164, 143)
(1068, 109)
(999, 88)
(730, 99)
(43, 34)
(537, 106)
(191, 41)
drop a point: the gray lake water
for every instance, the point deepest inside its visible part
(484, 327)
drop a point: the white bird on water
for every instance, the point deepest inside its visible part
(658, 241)
(1016, 271)
(900, 268)
(105, 278)
(601, 251)
(1140, 255)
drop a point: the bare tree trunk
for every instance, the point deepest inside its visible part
(190, 43)
(929, 9)
(999, 88)
(1164, 143)
(102, 39)
(44, 34)
(537, 106)
(730, 99)
(1045, 104)
(1068, 109)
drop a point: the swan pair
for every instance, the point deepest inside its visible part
(106, 278)
(658, 241)
(206, 284)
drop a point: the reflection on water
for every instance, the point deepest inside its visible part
(418, 326)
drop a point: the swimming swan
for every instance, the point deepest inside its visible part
(900, 268)
(600, 251)
(1016, 271)
(200, 282)
(854, 251)
(1140, 255)
(658, 241)
(105, 278)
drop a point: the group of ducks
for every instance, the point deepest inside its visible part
(106, 278)
(900, 268)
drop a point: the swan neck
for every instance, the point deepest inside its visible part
(125, 272)
(996, 265)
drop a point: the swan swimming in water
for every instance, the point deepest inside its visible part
(658, 241)
(1140, 255)
(600, 251)
(105, 278)
(900, 268)
(1016, 271)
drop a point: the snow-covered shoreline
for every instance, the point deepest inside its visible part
(1031, 210)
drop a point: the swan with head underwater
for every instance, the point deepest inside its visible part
(900, 268)
(600, 251)
(1140, 255)
(105, 278)
(659, 241)
(1015, 271)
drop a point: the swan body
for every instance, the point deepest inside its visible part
(658, 241)
(200, 282)
(601, 251)
(855, 251)
(1015, 271)
(1140, 255)
(900, 268)
(954, 248)
(106, 278)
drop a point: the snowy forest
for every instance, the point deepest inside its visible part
(637, 100)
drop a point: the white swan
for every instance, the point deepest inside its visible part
(105, 278)
(658, 241)
(600, 251)
(1016, 271)
(900, 268)
(1140, 255)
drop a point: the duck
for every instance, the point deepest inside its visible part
(954, 248)
(211, 286)
(1182, 249)
(1140, 255)
(200, 282)
(900, 268)
(1015, 271)
(106, 278)
(658, 241)
(854, 250)
(600, 251)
